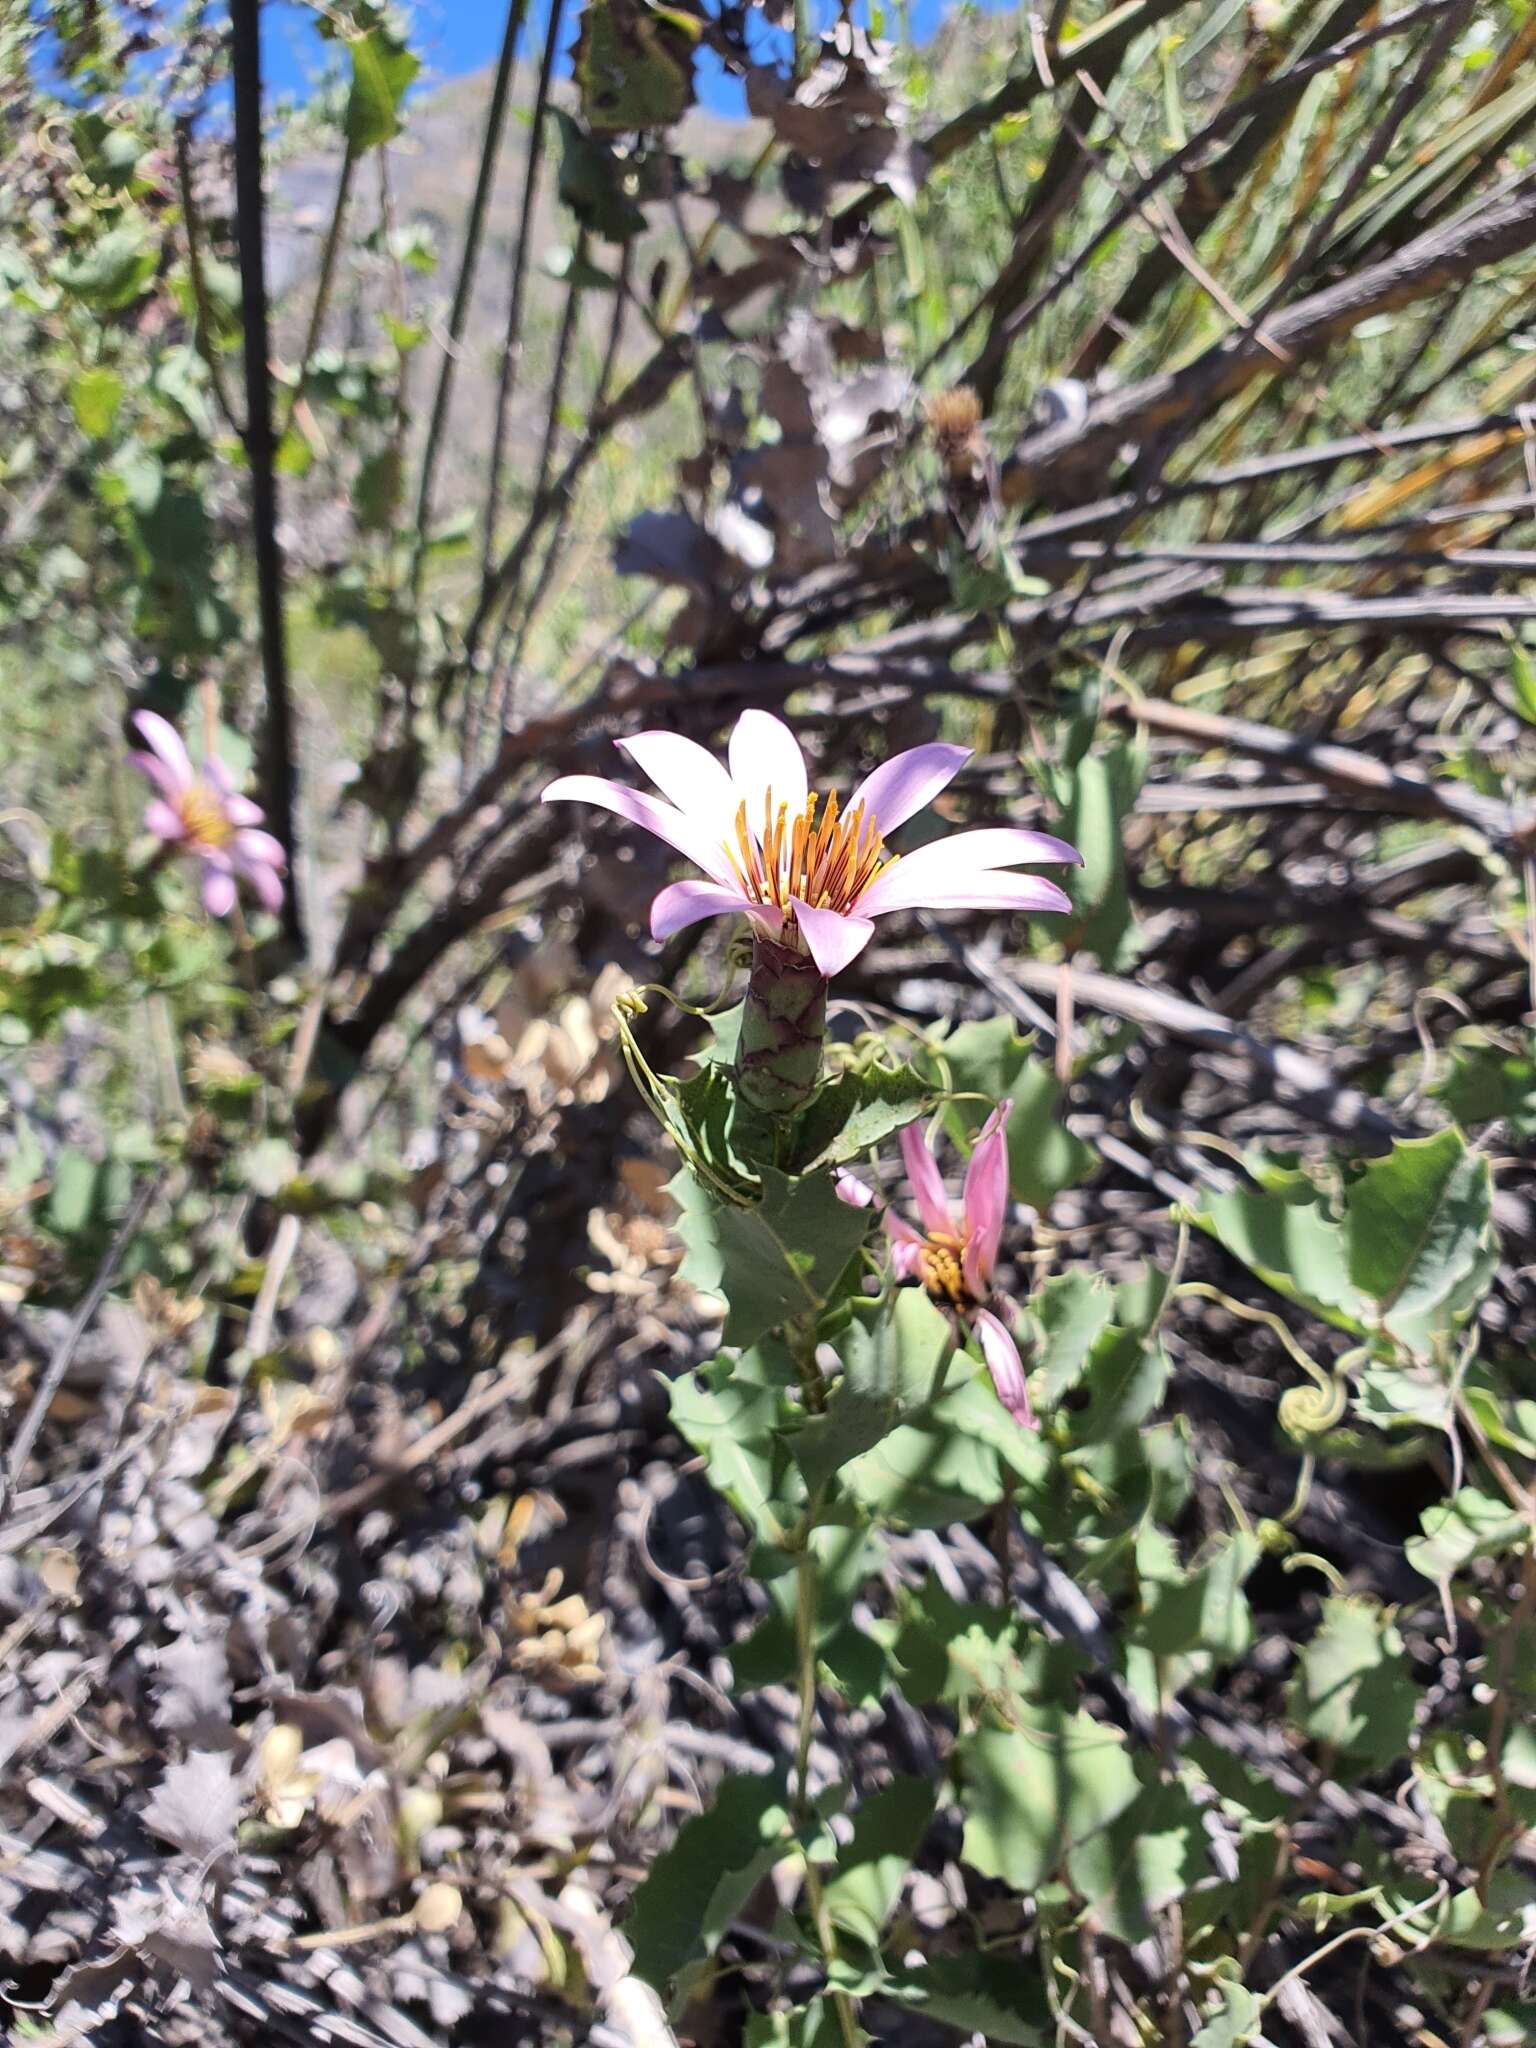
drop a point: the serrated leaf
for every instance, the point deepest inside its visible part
(1470, 1524)
(1417, 1222)
(732, 1412)
(1294, 1247)
(891, 1351)
(781, 1257)
(887, 1832)
(1150, 1855)
(94, 397)
(1203, 1609)
(695, 1888)
(383, 69)
(854, 1111)
(112, 271)
(1236, 2021)
(988, 1058)
(1066, 1316)
(978, 1993)
(1352, 1689)
(946, 1464)
(1034, 1792)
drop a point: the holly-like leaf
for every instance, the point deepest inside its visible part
(1294, 1246)
(773, 1260)
(980, 1994)
(1148, 1856)
(1035, 1792)
(989, 1058)
(1235, 2022)
(383, 69)
(892, 1352)
(1489, 1080)
(695, 1888)
(1470, 1524)
(1065, 1318)
(1418, 1226)
(1352, 1689)
(1200, 1609)
(733, 1412)
(112, 271)
(854, 1111)
(634, 64)
(94, 396)
(887, 1832)
(946, 1463)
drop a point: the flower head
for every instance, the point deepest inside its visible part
(954, 1257)
(810, 873)
(203, 816)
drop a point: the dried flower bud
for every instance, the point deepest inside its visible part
(437, 1909)
(954, 420)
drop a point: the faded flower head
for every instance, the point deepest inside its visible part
(953, 1258)
(811, 874)
(202, 815)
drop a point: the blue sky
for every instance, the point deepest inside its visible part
(454, 36)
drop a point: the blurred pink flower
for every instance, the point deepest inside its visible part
(202, 815)
(811, 876)
(955, 1259)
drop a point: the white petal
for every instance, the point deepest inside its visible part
(767, 766)
(688, 775)
(668, 823)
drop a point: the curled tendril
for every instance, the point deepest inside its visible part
(1312, 1410)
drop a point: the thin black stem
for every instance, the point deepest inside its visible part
(458, 313)
(513, 348)
(279, 765)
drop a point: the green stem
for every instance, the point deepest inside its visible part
(805, 1677)
(805, 1666)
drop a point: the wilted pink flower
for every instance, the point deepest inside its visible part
(955, 1260)
(202, 815)
(808, 875)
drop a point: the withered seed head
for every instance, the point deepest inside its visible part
(954, 420)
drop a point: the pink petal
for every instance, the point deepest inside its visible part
(956, 862)
(850, 1189)
(668, 823)
(160, 819)
(831, 939)
(168, 784)
(259, 849)
(1005, 1366)
(162, 738)
(985, 892)
(986, 1201)
(689, 776)
(217, 776)
(241, 811)
(767, 766)
(683, 903)
(904, 784)
(218, 891)
(927, 1181)
(906, 1245)
(267, 883)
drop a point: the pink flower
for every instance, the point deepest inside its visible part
(954, 1260)
(203, 815)
(809, 875)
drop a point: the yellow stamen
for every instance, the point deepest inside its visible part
(821, 856)
(941, 1272)
(203, 817)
